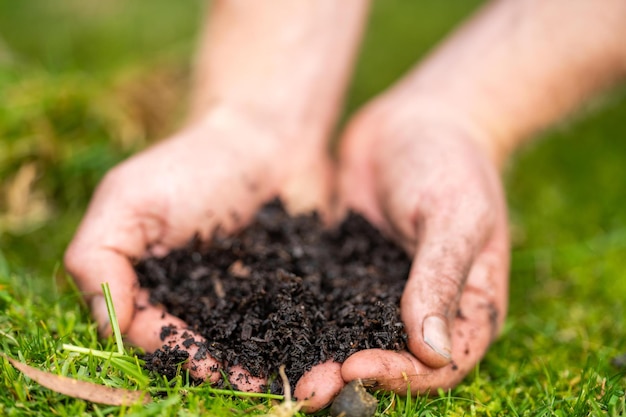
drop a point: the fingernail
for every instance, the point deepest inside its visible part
(100, 314)
(435, 332)
(369, 382)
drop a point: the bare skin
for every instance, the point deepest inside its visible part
(421, 162)
(270, 80)
(447, 208)
(152, 203)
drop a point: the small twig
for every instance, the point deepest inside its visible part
(392, 403)
(286, 386)
(8, 336)
(218, 287)
(287, 408)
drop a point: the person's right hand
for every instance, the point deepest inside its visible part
(432, 184)
(217, 171)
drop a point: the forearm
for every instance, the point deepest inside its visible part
(519, 65)
(284, 61)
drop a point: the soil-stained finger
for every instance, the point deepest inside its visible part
(241, 380)
(91, 266)
(394, 371)
(319, 386)
(152, 328)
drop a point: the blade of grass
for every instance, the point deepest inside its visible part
(130, 365)
(227, 392)
(131, 369)
(113, 318)
(4, 266)
(93, 352)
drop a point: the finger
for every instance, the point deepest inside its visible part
(152, 327)
(303, 192)
(319, 386)
(101, 252)
(402, 372)
(489, 276)
(241, 380)
(430, 299)
(357, 174)
(93, 267)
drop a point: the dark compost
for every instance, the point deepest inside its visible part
(283, 291)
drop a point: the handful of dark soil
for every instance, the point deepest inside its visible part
(286, 291)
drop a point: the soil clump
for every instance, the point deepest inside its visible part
(283, 291)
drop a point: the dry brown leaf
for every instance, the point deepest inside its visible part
(81, 389)
(26, 207)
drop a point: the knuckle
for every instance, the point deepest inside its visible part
(113, 179)
(122, 180)
(450, 282)
(446, 290)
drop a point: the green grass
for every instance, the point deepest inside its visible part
(72, 78)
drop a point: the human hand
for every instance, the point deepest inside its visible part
(434, 187)
(217, 171)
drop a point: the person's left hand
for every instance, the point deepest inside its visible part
(215, 172)
(435, 188)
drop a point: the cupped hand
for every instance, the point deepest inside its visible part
(432, 185)
(216, 172)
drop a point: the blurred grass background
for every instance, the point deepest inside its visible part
(84, 84)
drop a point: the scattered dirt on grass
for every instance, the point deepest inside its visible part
(285, 291)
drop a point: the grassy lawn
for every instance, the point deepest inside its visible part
(83, 84)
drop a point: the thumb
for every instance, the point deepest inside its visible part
(431, 297)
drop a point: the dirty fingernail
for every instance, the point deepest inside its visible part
(369, 382)
(436, 335)
(100, 314)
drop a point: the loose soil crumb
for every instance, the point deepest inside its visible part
(284, 291)
(166, 360)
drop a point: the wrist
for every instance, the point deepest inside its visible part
(295, 167)
(298, 122)
(432, 113)
(286, 64)
(284, 134)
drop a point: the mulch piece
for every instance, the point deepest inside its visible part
(283, 291)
